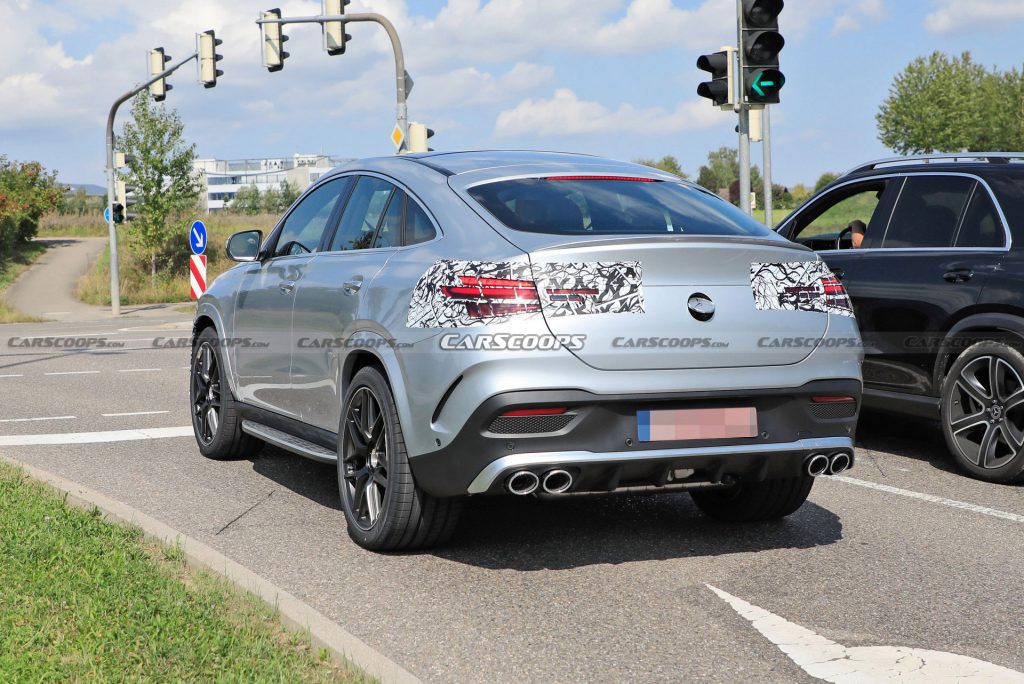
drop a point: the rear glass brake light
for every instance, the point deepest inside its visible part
(628, 179)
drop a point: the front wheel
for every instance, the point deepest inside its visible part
(384, 509)
(983, 412)
(216, 418)
(755, 501)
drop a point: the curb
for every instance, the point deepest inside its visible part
(292, 612)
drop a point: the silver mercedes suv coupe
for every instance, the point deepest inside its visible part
(448, 325)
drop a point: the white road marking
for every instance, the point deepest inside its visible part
(96, 437)
(75, 373)
(825, 659)
(136, 413)
(56, 313)
(139, 370)
(32, 420)
(12, 376)
(952, 503)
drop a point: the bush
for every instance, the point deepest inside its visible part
(27, 192)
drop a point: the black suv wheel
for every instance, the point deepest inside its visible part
(983, 412)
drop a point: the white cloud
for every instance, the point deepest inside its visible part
(856, 14)
(566, 114)
(958, 15)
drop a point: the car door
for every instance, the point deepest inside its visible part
(823, 224)
(263, 305)
(911, 287)
(329, 299)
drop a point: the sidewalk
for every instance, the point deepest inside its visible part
(46, 290)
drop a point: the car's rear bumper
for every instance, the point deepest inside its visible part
(600, 446)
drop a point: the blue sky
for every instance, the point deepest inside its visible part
(610, 77)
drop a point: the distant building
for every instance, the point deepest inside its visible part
(221, 179)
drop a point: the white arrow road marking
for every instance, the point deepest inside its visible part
(96, 437)
(832, 662)
(952, 503)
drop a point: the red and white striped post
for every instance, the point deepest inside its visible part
(197, 274)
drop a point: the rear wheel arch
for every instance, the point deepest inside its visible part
(975, 328)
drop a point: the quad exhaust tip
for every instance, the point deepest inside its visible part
(557, 481)
(522, 483)
(818, 464)
(839, 463)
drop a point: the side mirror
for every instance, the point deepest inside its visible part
(244, 246)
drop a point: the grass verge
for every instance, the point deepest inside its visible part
(23, 257)
(83, 599)
(138, 286)
(86, 225)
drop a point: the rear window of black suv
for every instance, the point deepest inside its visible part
(612, 205)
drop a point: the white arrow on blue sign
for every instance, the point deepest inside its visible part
(106, 214)
(197, 237)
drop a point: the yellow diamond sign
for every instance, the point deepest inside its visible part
(397, 136)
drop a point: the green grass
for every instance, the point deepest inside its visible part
(23, 257)
(82, 599)
(171, 285)
(87, 225)
(777, 215)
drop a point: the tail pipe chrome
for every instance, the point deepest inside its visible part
(816, 465)
(557, 481)
(522, 483)
(839, 463)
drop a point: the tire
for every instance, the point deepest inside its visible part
(372, 457)
(219, 438)
(985, 431)
(755, 501)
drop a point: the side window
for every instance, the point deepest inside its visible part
(821, 225)
(418, 227)
(390, 232)
(304, 227)
(928, 211)
(981, 226)
(362, 214)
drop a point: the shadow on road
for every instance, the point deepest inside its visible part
(532, 534)
(916, 438)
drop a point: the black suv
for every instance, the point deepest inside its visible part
(931, 250)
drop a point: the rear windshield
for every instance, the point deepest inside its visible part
(612, 206)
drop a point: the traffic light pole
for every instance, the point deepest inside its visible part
(115, 277)
(396, 44)
(766, 144)
(744, 112)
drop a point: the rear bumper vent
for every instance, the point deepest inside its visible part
(835, 410)
(529, 425)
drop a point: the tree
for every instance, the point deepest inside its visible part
(162, 173)
(248, 200)
(938, 104)
(723, 169)
(289, 193)
(824, 179)
(27, 192)
(668, 163)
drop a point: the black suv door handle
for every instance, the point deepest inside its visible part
(959, 275)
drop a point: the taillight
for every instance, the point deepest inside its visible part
(490, 297)
(835, 294)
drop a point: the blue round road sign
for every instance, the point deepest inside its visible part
(197, 237)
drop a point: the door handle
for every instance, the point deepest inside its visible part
(839, 273)
(353, 286)
(287, 287)
(958, 275)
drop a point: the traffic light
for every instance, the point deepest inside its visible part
(419, 134)
(334, 31)
(125, 197)
(206, 45)
(157, 65)
(273, 42)
(759, 51)
(720, 89)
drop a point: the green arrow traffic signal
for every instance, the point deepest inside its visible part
(766, 85)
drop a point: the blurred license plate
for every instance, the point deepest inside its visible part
(696, 424)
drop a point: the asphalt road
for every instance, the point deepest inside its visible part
(904, 552)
